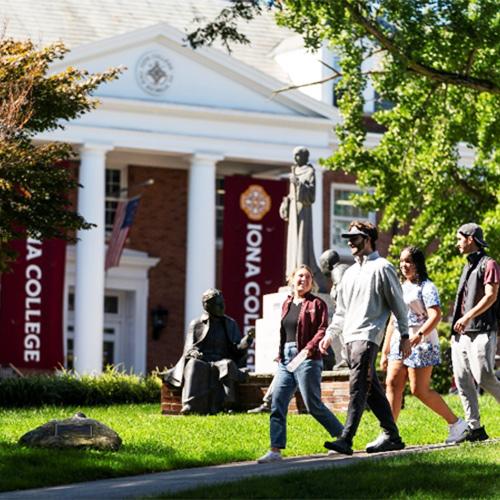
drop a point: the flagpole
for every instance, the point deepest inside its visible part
(146, 183)
(122, 212)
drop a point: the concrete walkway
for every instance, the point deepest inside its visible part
(183, 479)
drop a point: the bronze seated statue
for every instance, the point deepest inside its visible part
(213, 360)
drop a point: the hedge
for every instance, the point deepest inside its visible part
(65, 388)
(442, 374)
(115, 387)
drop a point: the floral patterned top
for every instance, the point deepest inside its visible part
(419, 297)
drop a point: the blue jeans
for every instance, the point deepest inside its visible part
(308, 379)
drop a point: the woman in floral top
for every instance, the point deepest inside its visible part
(424, 313)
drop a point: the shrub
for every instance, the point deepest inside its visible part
(443, 373)
(65, 388)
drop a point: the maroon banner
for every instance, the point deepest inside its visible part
(254, 244)
(31, 306)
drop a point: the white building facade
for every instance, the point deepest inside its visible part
(186, 119)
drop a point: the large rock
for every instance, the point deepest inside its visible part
(75, 432)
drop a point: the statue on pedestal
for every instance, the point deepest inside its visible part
(214, 353)
(331, 267)
(296, 208)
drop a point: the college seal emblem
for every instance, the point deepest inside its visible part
(255, 202)
(154, 73)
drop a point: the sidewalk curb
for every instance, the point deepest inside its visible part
(185, 479)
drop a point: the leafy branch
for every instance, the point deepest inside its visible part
(479, 84)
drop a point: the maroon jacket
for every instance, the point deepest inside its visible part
(311, 326)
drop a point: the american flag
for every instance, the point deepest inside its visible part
(125, 213)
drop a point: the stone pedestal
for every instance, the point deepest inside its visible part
(267, 332)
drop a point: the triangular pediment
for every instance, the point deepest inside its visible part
(160, 67)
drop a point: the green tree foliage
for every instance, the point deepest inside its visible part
(438, 63)
(34, 184)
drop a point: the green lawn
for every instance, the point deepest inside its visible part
(153, 442)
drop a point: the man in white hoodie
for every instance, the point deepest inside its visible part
(369, 292)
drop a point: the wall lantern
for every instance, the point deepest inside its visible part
(159, 316)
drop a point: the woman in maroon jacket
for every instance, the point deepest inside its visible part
(304, 319)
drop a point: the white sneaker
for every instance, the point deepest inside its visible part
(457, 432)
(270, 456)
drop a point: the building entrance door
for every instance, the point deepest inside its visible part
(113, 334)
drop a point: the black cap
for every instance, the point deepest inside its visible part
(472, 229)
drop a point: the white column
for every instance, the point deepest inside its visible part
(317, 213)
(200, 255)
(140, 327)
(89, 279)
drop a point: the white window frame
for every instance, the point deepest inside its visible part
(121, 194)
(342, 248)
(219, 207)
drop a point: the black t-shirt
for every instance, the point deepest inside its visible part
(290, 322)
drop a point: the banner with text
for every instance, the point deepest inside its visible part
(31, 306)
(254, 245)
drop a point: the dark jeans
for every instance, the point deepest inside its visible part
(365, 387)
(307, 377)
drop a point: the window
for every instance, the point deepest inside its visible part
(337, 94)
(381, 103)
(70, 361)
(108, 347)
(219, 207)
(111, 304)
(114, 188)
(343, 212)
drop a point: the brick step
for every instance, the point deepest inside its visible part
(334, 393)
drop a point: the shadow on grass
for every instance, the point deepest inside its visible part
(22, 467)
(25, 468)
(416, 476)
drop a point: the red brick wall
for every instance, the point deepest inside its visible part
(160, 230)
(334, 393)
